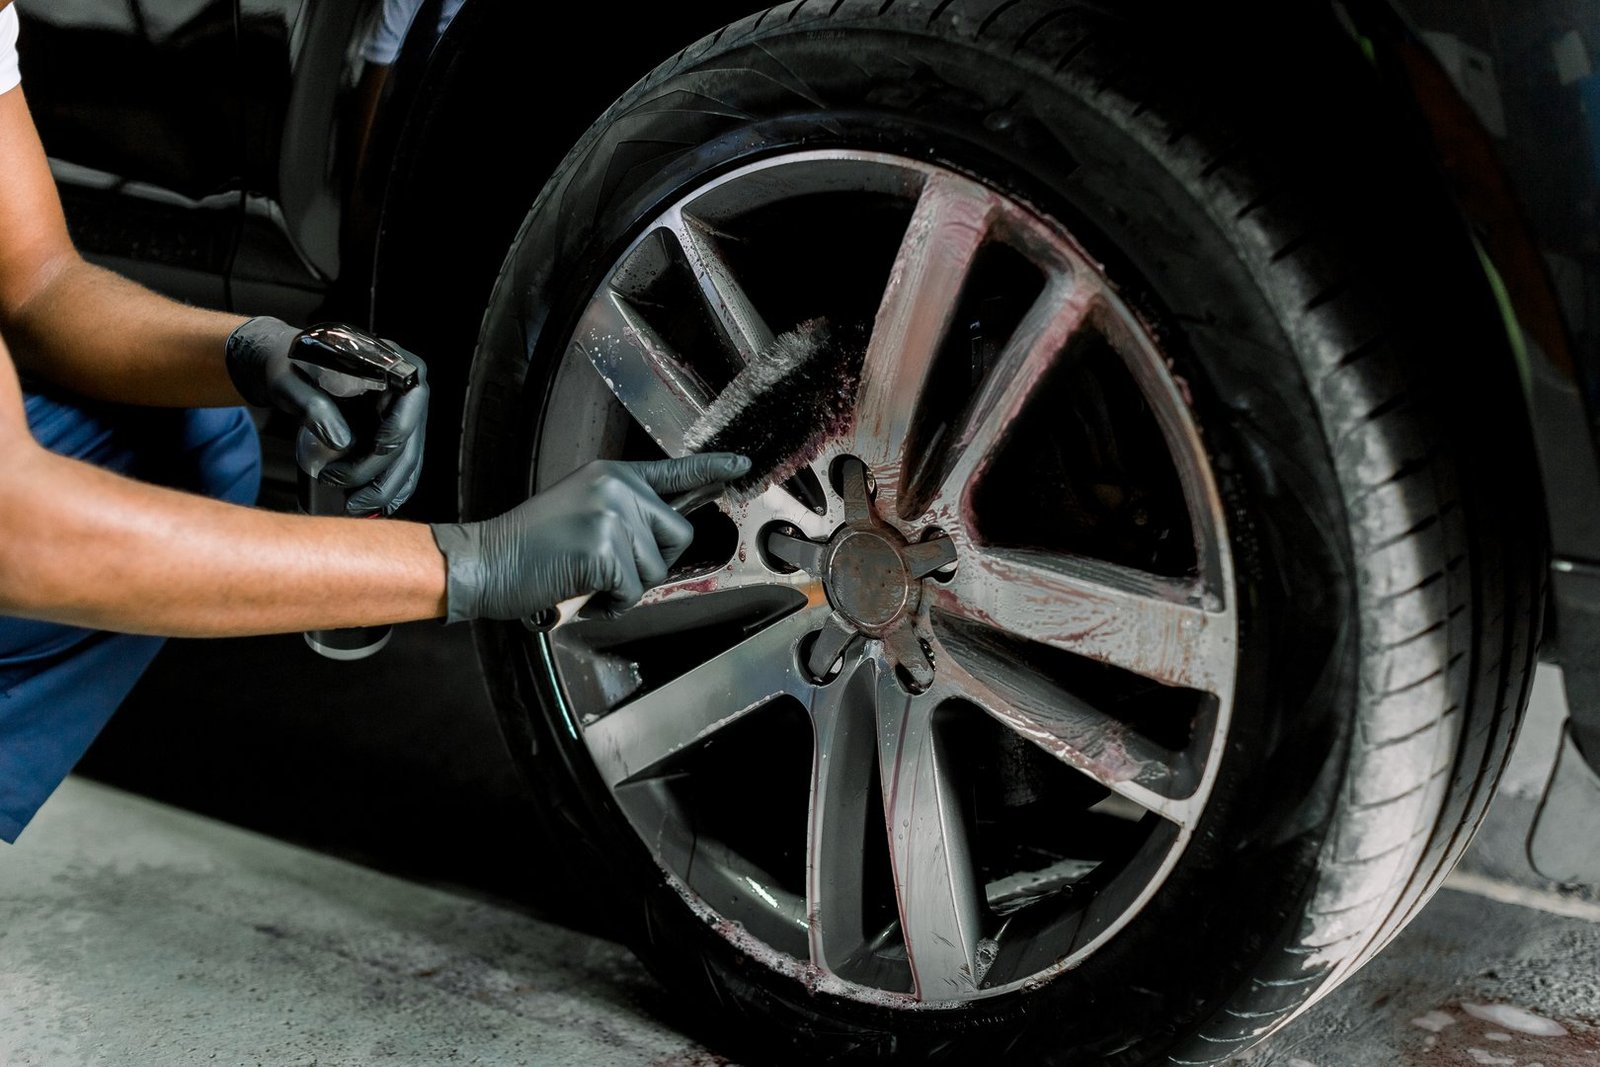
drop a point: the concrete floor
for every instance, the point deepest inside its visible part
(136, 933)
(1499, 953)
(133, 932)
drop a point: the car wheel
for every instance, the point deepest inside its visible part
(1132, 660)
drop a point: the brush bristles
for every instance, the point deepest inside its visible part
(783, 406)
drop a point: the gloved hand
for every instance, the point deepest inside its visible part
(382, 479)
(604, 528)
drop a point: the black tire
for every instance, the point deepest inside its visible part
(1384, 542)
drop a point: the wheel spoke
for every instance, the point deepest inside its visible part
(936, 887)
(948, 226)
(775, 504)
(641, 370)
(735, 314)
(829, 646)
(641, 734)
(1068, 728)
(1038, 342)
(1153, 626)
(724, 297)
(735, 574)
(694, 599)
(1148, 366)
(841, 774)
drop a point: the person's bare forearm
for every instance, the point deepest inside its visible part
(105, 337)
(80, 545)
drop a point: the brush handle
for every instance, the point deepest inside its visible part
(568, 609)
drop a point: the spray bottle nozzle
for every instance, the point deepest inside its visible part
(373, 363)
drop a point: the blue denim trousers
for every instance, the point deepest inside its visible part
(60, 684)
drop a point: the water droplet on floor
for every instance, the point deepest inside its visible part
(1434, 1021)
(1514, 1018)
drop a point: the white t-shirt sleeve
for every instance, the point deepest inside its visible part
(390, 24)
(10, 75)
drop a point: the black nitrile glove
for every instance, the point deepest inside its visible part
(383, 478)
(602, 529)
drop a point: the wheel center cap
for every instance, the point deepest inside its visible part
(867, 579)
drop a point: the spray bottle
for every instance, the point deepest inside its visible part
(364, 375)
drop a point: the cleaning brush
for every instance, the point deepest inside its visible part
(781, 408)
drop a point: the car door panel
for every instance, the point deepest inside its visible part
(138, 108)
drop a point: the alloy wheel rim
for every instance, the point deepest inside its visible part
(865, 592)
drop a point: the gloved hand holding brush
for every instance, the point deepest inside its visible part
(604, 528)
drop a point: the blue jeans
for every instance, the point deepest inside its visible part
(60, 684)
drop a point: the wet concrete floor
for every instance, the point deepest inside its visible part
(1502, 968)
(133, 932)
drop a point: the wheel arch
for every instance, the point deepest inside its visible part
(445, 190)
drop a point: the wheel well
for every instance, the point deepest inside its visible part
(489, 118)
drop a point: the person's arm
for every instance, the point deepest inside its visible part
(99, 335)
(84, 328)
(83, 546)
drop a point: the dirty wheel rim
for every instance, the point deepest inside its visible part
(874, 597)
